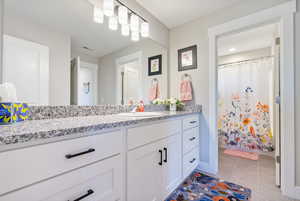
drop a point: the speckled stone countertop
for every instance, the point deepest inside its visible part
(43, 131)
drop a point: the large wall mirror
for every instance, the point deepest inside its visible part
(56, 54)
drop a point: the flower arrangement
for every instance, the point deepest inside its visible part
(173, 103)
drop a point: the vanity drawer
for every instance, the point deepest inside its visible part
(190, 162)
(190, 139)
(22, 167)
(101, 181)
(139, 136)
(190, 122)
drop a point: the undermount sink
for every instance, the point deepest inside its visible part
(141, 114)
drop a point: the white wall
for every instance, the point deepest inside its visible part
(60, 54)
(196, 32)
(1, 36)
(297, 91)
(84, 57)
(242, 56)
(107, 72)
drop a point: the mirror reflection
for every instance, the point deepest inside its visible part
(57, 53)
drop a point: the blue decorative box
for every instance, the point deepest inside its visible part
(13, 112)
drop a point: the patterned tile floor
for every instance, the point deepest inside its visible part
(259, 176)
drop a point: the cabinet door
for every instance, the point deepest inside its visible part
(172, 166)
(144, 179)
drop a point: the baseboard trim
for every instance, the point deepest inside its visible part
(205, 167)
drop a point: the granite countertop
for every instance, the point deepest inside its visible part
(39, 131)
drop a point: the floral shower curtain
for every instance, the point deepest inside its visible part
(245, 101)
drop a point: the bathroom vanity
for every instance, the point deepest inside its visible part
(98, 158)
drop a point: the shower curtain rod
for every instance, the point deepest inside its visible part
(223, 65)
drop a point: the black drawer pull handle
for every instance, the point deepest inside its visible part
(193, 122)
(166, 155)
(89, 192)
(161, 158)
(69, 156)
(193, 138)
(192, 161)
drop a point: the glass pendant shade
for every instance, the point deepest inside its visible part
(134, 23)
(145, 29)
(113, 23)
(135, 36)
(125, 30)
(98, 15)
(108, 7)
(123, 15)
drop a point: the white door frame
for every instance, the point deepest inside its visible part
(284, 14)
(119, 62)
(94, 68)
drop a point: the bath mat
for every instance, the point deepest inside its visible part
(242, 154)
(201, 187)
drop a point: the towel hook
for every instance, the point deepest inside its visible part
(186, 76)
(154, 80)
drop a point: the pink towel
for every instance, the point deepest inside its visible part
(154, 92)
(186, 90)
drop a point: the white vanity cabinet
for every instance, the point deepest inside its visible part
(144, 162)
(156, 166)
(101, 181)
(88, 168)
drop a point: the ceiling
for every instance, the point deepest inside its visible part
(72, 17)
(173, 13)
(252, 39)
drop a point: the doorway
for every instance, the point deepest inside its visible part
(282, 14)
(248, 115)
(129, 79)
(84, 83)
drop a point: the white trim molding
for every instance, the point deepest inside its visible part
(282, 14)
(119, 62)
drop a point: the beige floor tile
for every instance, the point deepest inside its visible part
(259, 176)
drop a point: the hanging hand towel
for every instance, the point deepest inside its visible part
(186, 90)
(154, 91)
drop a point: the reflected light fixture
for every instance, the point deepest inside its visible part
(145, 29)
(98, 15)
(109, 7)
(134, 23)
(123, 15)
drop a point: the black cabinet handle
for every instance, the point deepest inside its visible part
(69, 156)
(161, 158)
(166, 155)
(192, 161)
(193, 122)
(193, 138)
(89, 192)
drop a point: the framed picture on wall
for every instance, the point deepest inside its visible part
(155, 65)
(187, 58)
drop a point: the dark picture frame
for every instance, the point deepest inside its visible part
(155, 65)
(187, 58)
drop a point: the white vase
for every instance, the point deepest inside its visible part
(173, 108)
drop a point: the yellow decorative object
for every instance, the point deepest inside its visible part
(13, 112)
